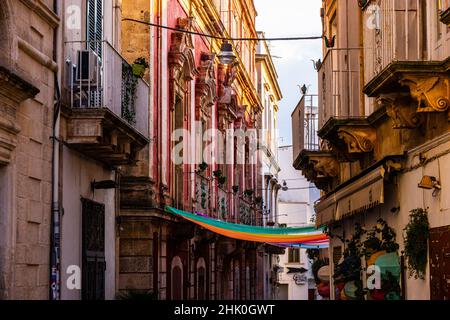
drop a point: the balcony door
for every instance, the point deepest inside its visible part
(93, 244)
(440, 263)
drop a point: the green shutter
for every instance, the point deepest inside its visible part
(94, 34)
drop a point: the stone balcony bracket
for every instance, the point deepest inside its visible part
(319, 167)
(349, 136)
(401, 109)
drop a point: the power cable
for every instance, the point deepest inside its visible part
(220, 37)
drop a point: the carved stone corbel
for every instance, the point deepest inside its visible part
(358, 140)
(402, 110)
(327, 167)
(431, 93)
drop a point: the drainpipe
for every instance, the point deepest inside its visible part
(55, 278)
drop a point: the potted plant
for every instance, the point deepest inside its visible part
(222, 180)
(217, 173)
(139, 66)
(248, 193)
(202, 167)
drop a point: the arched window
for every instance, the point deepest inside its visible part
(176, 279)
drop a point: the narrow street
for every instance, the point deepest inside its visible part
(247, 151)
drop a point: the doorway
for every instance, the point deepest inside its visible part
(440, 263)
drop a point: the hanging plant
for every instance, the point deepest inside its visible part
(417, 233)
(129, 86)
(235, 189)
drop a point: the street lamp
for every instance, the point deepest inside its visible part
(226, 55)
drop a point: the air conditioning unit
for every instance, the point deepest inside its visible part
(88, 67)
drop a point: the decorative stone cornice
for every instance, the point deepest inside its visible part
(42, 10)
(14, 87)
(8, 139)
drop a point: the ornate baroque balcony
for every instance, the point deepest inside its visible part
(107, 114)
(410, 89)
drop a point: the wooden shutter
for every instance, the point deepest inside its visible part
(94, 28)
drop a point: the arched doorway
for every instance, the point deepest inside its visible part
(176, 279)
(201, 279)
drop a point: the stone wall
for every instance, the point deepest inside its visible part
(26, 101)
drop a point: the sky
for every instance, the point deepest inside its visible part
(289, 18)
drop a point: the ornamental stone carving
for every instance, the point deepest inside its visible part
(431, 93)
(358, 140)
(181, 61)
(206, 87)
(402, 110)
(327, 166)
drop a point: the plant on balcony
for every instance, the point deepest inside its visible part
(129, 86)
(417, 234)
(139, 67)
(258, 200)
(202, 167)
(235, 189)
(248, 193)
(222, 180)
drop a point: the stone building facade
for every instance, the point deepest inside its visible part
(191, 91)
(383, 119)
(27, 91)
(86, 143)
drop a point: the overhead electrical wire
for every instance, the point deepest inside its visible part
(221, 37)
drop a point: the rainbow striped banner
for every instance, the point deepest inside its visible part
(304, 237)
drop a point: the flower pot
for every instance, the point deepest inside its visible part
(138, 70)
